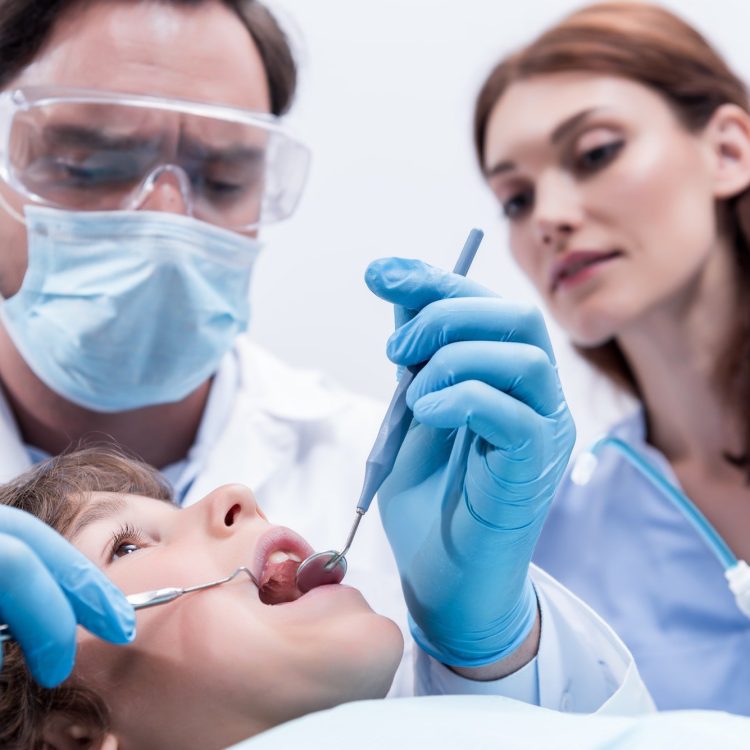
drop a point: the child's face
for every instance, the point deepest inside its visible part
(219, 665)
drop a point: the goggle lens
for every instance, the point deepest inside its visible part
(109, 156)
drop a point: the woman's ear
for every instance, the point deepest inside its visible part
(63, 733)
(727, 136)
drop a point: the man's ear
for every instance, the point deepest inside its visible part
(63, 733)
(727, 136)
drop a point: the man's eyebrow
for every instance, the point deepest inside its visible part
(98, 511)
(565, 127)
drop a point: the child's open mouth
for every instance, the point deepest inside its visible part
(278, 582)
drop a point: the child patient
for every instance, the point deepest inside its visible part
(212, 667)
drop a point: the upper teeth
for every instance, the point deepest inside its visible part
(280, 556)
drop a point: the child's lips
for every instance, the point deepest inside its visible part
(279, 553)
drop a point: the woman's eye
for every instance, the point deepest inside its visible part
(517, 205)
(595, 158)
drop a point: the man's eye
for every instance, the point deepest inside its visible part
(595, 158)
(517, 205)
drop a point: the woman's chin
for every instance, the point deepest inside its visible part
(589, 332)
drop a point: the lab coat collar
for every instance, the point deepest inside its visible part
(272, 403)
(283, 392)
(274, 406)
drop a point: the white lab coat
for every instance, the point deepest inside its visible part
(300, 442)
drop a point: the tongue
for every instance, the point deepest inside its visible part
(280, 584)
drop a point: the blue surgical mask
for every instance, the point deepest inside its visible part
(124, 309)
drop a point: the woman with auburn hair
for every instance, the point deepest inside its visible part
(618, 145)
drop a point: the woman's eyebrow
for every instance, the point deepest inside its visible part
(98, 511)
(570, 124)
(560, 131)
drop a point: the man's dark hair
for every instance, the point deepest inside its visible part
(25, 26)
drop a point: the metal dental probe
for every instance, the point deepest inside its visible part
(162, 596)
(330, 567)
(157, 596)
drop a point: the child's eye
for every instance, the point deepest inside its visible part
(125, 549)
(125, 541)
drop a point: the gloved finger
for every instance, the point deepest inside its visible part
(414, 284)
(468, 319)
(520, 370)
(503, 421)
(402, 315)
(97, 603)
(37, 612)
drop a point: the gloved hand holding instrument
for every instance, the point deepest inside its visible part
(491, 437)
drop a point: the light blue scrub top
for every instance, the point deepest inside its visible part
(632, 556)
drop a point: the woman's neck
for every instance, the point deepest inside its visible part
(673, 352)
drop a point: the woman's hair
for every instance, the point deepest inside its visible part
(55, 492)
(25, 27)
(652, 46)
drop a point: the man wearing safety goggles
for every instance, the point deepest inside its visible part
(140, 153)
(124, 174)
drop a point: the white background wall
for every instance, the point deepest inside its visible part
(385, 102)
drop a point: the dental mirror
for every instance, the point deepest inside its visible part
(321, 569)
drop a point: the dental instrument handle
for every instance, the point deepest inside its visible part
(139, 601)
(162, 596)
(154, 598)
(398, 417)
(397, 420)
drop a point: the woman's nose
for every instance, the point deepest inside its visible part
(557, 212)
(228, 508)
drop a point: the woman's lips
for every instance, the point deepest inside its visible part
(576, 266)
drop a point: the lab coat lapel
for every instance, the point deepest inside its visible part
(272, 405)
(252, 448)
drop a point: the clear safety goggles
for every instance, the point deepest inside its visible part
(89, 150)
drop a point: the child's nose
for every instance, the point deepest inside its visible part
(228, 508)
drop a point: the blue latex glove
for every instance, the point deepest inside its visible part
(46, 588)
(466, 501)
